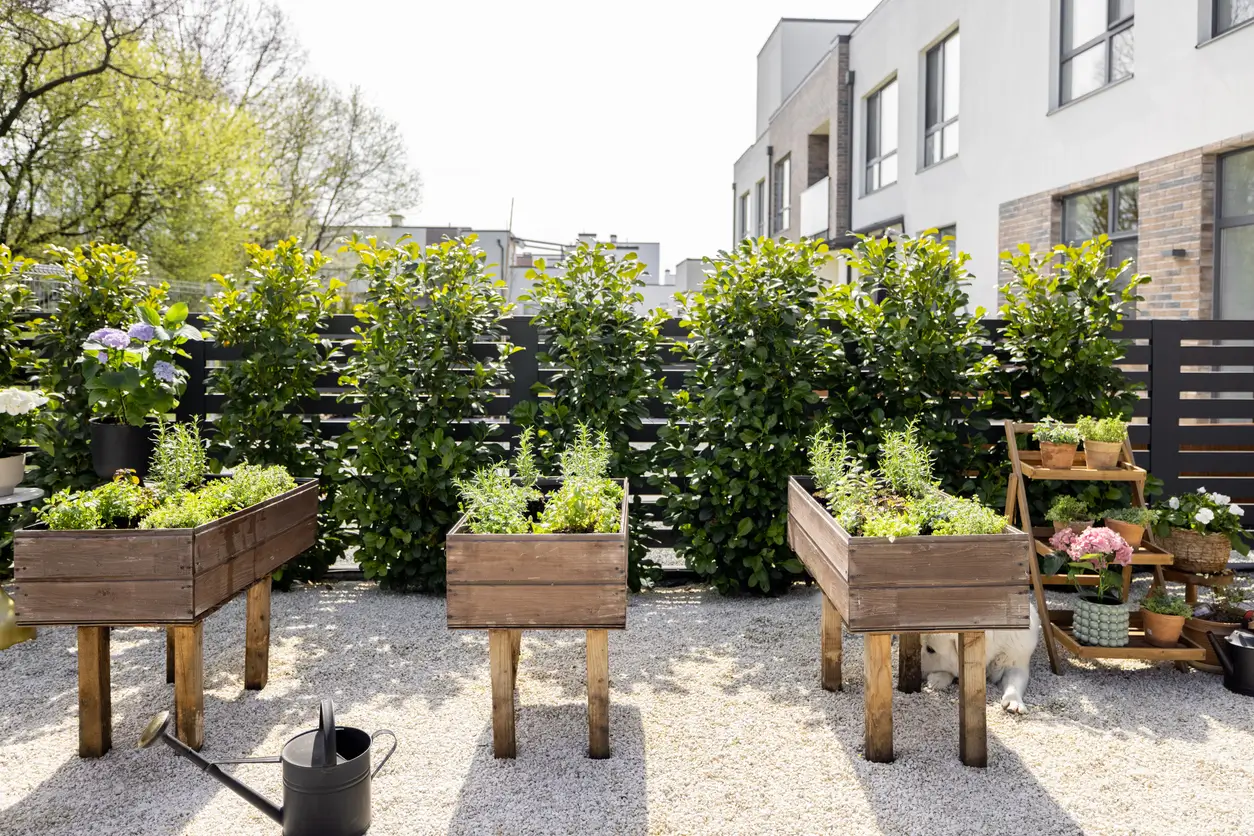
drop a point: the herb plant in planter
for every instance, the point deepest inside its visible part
(1103, 441)
(131, 378)
(1069, 512)
(1100, 619)
(1201, 530)
(1130, 523)
(1163, 616)
(1227, 610)
(18, 408)
(1058, 441)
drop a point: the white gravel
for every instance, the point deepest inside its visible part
(718, 726)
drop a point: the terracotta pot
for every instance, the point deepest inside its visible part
(12, 469)
(1057, 456)
(1195, 630)
(1200, 553)
(1130, 532)
(1162, 630)
(1102, 455)
(1078, 526)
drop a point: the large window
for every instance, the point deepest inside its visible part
(1229, 14)
(759, 200)
(1111, 211)
(1234, 231)
(782, 194)
(940, 135)
(743, 220)
(1096, 45)
(881, 137)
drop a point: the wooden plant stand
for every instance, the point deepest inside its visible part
(1056, 625)
(171, 578)
(906, 587)
(506, 583)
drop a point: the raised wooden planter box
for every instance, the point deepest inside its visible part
(908, 586)
(510, 582)
(166, 577)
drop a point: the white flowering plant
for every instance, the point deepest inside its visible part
(1204, 513)
(18, 408)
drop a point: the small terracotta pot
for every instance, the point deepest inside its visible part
(1162, 630)
(1078, 526)
(1057, 456)
(1130, 532)
(1195, 630)
(1102, 455)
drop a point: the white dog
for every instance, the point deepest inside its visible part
(1009, 653)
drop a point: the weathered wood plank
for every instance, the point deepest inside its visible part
(272, 553)
(257, 636)
(501, 669)
(221, 582)
(909, 663)
(109, 554)
(95, 712)
(526, 561)
(972, 710)
(103, 602)
(217, 541)
(937, 608)
(878, 697)
(820, 568)
(189, 684)
(992, 560)
(831, 646)
(598, 694)
(576, 606)
(818, 524)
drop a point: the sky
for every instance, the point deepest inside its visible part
(591, 117)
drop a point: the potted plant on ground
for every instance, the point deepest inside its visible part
(1058, 442)
(1103, 439)
(1228, 610)
(17, 409)
(1101, 619)
(1130, 523)
(1163, 616)
(1069, 512)
(131, 378)
(1201, 530)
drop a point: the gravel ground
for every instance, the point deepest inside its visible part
(717, 726)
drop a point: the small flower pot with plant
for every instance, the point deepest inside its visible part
(131, 378)
(1103, 441)
(18, 408)
(1130, 523)
(1162, 617)
(1101, 619)
(1059, 443)
(1227, 610)
(1069, 512)
(1201, 530)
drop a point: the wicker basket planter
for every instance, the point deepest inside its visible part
(1202, 554)
(1099, 624)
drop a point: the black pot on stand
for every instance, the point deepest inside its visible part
(116, 446)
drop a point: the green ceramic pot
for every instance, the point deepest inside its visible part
(1100, 624)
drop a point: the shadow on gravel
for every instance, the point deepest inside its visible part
(508, 796)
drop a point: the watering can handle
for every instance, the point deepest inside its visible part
(391, 734)
(326, 727)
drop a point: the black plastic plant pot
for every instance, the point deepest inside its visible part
(117, 447)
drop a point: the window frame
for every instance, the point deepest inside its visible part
(759, 196)
(1215, 31)
(939, 127)
(743, 209)
(1105, 39)
(875, 98)
(1112, 232)
(781, 197)
(1222, 223)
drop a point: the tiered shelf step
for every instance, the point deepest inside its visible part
(1137, 647)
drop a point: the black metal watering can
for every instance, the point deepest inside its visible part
(1237, 656)
(326, 775)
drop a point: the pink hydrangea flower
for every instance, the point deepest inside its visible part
(1099, 541)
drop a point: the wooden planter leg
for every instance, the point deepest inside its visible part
(972, 709)
(909, 663)
(169, 655)
(831, 647)
(95, 712)
(598, 694)
(501, 666)
(1127, 583)
(879, 697)
(257, 642)
(516, 641)
(189, 683)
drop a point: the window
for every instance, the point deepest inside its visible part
(759, 200)
(1096, 45)
(950, 232)
(881, 137)
(1229, 14)
(781, 195)
(744, 216)
(1111, 211)
(1234, 231)
(940, 136)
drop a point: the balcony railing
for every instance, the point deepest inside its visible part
(814, 209)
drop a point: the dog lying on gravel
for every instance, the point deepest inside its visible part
(1009, 653)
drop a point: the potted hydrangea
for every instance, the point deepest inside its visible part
(1163, 616)
(1100, 619)
(1130, 523)
(17, 409)
(1103, 439)
(131, 377)
(1201, 529)
(1058, 442)
(1069, 513)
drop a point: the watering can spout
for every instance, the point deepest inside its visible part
(157, 730)
(1223, 652)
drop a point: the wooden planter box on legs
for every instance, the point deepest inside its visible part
(510, 582)
(173, 578)
(909, 586)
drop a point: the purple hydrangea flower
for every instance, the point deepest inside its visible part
(110, 338)
(102, 356)
(163, 371)
(141, 331)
